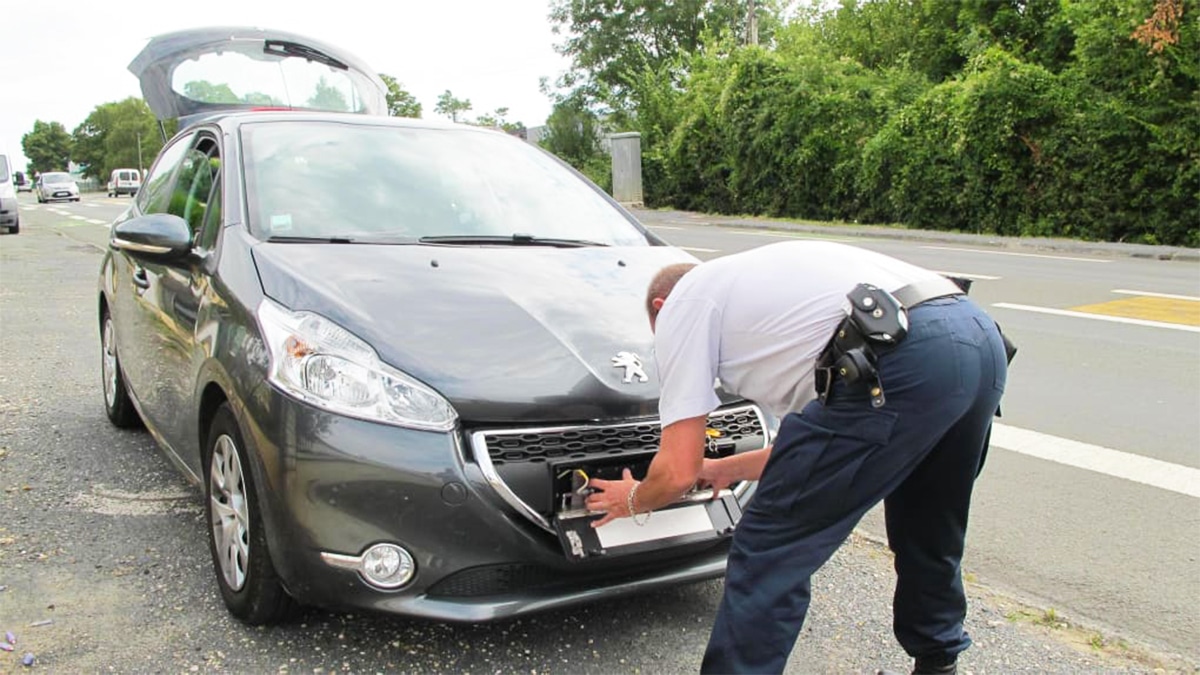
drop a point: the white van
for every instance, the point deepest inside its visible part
(124, 182)
(10, 214)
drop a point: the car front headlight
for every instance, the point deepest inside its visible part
(321, 363)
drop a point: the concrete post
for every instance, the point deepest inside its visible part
(627, 167)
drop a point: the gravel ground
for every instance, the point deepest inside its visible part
(100, 537)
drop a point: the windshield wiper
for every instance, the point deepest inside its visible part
(295, 49)
(507, 240)
(284, 239)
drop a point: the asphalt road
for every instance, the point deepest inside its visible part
(99, 535)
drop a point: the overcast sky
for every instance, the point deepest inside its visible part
(64, 57)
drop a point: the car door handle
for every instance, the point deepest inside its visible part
(140, 279)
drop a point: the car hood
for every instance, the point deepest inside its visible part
(506, 334)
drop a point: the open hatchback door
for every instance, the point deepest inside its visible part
(193, 73)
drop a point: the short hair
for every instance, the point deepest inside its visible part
(663, 283)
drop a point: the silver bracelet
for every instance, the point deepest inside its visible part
(629, 505)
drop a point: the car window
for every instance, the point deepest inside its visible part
(3, 169)
(212, 215)
(329, 179)
(155, 195)
(193, 186)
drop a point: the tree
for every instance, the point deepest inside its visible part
(400, 103)
(451, 107)
(608, 40)
(328, 97)
(110, 136)
(203, 90)
(499, 120)
(48, 147)
(573, 134)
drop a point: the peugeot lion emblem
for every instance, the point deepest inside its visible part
(632, 365)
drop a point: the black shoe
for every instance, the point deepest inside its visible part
(935, 666)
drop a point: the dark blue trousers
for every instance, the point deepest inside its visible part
(919, 453)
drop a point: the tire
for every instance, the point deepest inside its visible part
(237, 539)
(117, 404)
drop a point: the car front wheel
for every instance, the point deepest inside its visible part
(249, 585)
(117, 404)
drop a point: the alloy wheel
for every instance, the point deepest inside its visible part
(230, 514)
(109, 364)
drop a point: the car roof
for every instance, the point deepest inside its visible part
(231, 120)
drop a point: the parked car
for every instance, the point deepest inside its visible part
(390, 351)
(124, 182)
(56, 186)
(22, 183)
(10, 213)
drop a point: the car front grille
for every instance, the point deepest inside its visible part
(523, 464)
(503, 447)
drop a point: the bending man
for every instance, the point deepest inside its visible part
(914, 436)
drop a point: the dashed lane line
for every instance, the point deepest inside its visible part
(1184, 480)
(1097, 317)
(1020, 255)
(96, 221)
(695, 249)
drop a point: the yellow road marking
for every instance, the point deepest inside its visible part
(1167, 310)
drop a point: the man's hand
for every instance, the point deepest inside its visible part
(716, 474)
(612, 498)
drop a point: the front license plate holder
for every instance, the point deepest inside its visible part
(686, 523)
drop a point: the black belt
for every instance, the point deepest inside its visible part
(852, 356)
(930, 289)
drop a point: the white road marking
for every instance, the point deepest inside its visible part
(1020, 255)
(1151, 294)
(977, 277)
(25, 207)
(694, 249)
(666, 227)
(96, 221)
(78, 218)
(794, 235)
(1098, 317)
(1164, 475)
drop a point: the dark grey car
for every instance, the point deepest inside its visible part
(391, 352)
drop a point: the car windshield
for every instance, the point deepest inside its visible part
(3, 169)
(56, 178)
(329, 180)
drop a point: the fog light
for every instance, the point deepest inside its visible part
(387, 566)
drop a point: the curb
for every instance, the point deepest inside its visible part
(1106, 249)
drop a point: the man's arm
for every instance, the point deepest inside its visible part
(721, 473)
(672, 472)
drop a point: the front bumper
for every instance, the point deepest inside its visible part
(330, 484)
(59, 195)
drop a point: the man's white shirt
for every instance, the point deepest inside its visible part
(758, 320)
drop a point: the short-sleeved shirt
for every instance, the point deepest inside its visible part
(757, 321)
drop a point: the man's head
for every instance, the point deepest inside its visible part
(661, 286)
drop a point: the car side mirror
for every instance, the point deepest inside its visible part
(158, 235)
